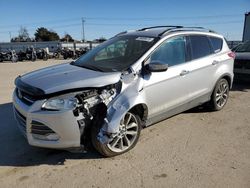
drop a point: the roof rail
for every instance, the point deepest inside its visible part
(186, 29)
(169, 29)
(154, 27)
(124, 32)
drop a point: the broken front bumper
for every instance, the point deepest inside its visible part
(49, 129)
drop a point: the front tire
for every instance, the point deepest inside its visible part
(125, 140)
(220, 95)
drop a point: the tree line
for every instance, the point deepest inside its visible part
(44, 34)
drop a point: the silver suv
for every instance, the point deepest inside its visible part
(131, 81)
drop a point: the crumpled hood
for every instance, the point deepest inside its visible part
(66, 76)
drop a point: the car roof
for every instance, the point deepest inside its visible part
(159, 31)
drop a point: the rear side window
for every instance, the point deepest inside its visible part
(200, 46)
(216, 44)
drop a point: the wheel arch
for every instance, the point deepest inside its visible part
(141, 110)
(226, 76)
(213, 104)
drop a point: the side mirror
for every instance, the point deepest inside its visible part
(156, 66)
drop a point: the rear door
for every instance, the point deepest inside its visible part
(202, 65)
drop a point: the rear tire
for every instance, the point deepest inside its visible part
(220, 95)
(125, 140)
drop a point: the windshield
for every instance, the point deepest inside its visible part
(116, 54)
(244, 47)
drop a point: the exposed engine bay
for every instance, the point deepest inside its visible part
(92, 107)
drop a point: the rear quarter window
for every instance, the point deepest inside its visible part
(216, 44)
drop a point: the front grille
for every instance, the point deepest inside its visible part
(25, 97)
(21, 119)
(242, 64)
(40, 129)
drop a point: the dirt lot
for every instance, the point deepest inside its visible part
(194, 149)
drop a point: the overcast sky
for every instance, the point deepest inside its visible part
(106, 18)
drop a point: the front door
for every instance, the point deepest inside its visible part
(164, 91)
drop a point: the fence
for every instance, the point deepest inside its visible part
(52, 45)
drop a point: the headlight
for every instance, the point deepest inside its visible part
(60, 104)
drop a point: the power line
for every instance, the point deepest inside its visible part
(127, 19)
(119, 24)
(164, 18)
(42, 22)
(189, 23)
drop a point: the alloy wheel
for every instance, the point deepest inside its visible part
(222, 94)
(128, 131)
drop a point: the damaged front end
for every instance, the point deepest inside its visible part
(72, 115)
(60, 120)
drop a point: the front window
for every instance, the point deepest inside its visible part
(171, 51)
(116, 54)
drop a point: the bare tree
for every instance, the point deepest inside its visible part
(23, 35)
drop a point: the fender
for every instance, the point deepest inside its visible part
(223, 71)
(129, 97)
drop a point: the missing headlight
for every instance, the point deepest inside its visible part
(90, 98)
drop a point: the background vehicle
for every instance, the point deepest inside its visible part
(31, 54)
(242, 61)
(42, 54)
(111, 93)
(68, 53)
(1, 57)
(81, 52)
(9, 56)
(21, 55)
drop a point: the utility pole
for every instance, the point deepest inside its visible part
(10, 35)
(83, 34)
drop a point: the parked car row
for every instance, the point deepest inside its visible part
(69, 53)
(32, 54)
(8, 56)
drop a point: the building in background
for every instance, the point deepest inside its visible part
(246, 31)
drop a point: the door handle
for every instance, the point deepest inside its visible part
(215, 62)
(184, 72)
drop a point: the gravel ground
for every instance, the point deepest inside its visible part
(197, 148)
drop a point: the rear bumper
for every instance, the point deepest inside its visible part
(61, 126)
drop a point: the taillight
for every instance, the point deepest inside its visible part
(231, 54)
